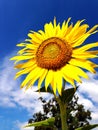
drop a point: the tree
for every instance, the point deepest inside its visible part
(77, 116)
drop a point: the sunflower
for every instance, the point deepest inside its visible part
(58, 53)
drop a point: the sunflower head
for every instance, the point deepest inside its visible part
(58, 53)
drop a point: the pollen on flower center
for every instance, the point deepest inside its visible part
(51, 50)
(53, 53)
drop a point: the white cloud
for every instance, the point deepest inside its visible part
(88, 95)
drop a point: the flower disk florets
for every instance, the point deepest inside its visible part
(53, 53)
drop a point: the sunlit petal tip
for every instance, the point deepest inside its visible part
(11, 58)
(31, 31)
(93, 30)
(30, 35)
(39, 87)
(60, 93)
(97, 43)
(46, 87)
(15, 68)
(17, 44)
(54, 21)
(18, 66)
(80, 81)
(15, 77)
(96, 66)
(15, 62)
(21, 44)
(26, 89)
(94, 72)
(82, 20)
(88, 77)
(21, 87)
(69, 19)
(27, 40)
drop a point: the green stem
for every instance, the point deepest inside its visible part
(63, 114)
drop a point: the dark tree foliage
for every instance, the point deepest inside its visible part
(77, 116)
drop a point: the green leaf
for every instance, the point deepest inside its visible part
(42, 89)
(87, 127)
(68, 94)
(47, 122)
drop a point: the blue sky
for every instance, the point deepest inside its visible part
(17, 18)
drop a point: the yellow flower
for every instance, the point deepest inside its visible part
(58, 53)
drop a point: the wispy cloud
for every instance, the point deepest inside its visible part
(21, 125)
(7, 84)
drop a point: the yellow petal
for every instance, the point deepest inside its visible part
(65, 29)
(42, 33)
(82, 29)
(84, 64)
(18, 58)
(85, 47)
(93, 29)
(58, 77)
(30, 76)
(31, 46)
(68, 30)
(35, 77)
(53, 84)
(24, 71)
(77, 34)
(39, 36)
(54, 22)
(42, 77)
(21, 44)
(93, 52)
(78, 71)
(84, 55)
(22, 51)
(68, 79)
(49, 30)
(58, 31)
(66, 24)
(74, 30)
(25, 64)
(52, 30)
(81, 40)
(63, 25)
(48, 79)
(74, 72)
(35, 38)
(71, 73)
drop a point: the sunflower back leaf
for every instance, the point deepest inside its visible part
(88, 127)
(42, 89)
(68, 94)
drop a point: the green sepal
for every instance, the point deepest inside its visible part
(68, 94)
(42, 89)
(87, 127)
(47, 122)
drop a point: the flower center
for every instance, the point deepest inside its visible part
(53, 53)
